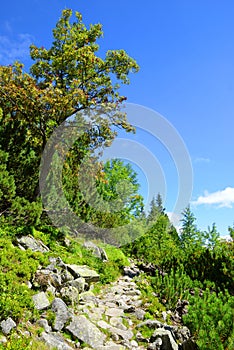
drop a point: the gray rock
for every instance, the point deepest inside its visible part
(3, 339)
(29, 242)
(86, 331)
(111, 346)
(7, 325)
(56, 280)
(87, 297)
(155, 345)
(131, 272)
(118, 322)
(41, 301)
(139, 337)
(124, 334)
(70, 295)
(103, 324)
(96, 313)
(104, 256)
(189, 345)
(151, 324)
(62, 314)
(134, 344)
(97, 251)
(78, 283)
(182, 334)
(66, 276)
(51, 289)
(55, 340)
(83, 271)
(44, 323)
(140, 314)
(114, 312)
(168, 342)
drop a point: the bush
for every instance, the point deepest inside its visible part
(210, 319)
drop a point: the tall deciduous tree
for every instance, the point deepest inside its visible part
(66, 78)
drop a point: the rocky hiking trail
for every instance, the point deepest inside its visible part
(113, 319)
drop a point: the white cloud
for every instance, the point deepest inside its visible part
(12, 49)
(223, 198)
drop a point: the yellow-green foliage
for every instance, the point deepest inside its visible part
(23, 343)
(154, 306)
(76, 254)
(16, 268)
(210, 318)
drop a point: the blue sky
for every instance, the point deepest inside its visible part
(186, 53)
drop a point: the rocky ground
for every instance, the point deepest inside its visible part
(113, 319)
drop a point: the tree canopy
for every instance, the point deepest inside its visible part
(63, 80)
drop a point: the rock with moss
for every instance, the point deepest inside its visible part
(97, 251)
(84, 330)
(70, 295)
(41, 302)
(7, 325)
(55, 341)
(29, 242)
(61, 313)
(83, 271)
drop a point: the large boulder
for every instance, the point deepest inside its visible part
(189, 345)
(55, 341)
(83, 271)
(61, 314)
(29, 242)
(86, 331)
(165, 339)
(41, 301)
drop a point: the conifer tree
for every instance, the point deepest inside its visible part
(156, 208)
(189, 232)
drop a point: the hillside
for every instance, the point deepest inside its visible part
(67, 294)
(82, 265)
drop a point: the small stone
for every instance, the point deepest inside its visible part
(3, 339)
(115, 337)
(70, 294)
(140, 314)
(114, 312)
(41, 301)
(79, 283)
(7, 325)
(103, 324)
(134, 344)
(164, 315)
(118, 322)
(66, 276)
(44, 323)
